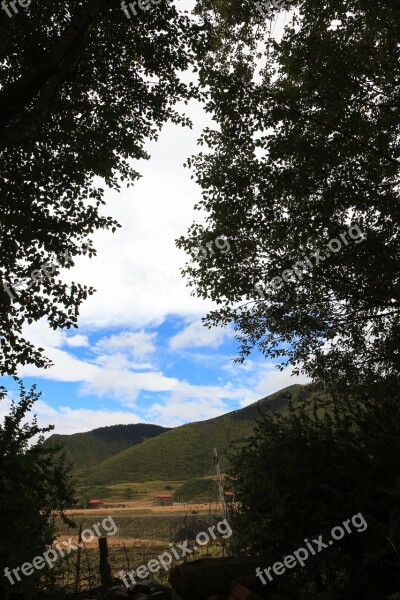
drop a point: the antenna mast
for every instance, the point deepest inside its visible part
(220, 486)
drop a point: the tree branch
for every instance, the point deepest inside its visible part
(22, 92)
(6, 27)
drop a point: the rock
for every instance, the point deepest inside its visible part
(143, 590)
(118, 592)
(394, 597)
(163, 595)
(151, 589)
(139, 587)
(241, 592)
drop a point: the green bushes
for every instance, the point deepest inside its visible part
(197, 490)
(34, 488)
(308, 470)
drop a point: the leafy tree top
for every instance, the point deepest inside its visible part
(82, 88)
(306, 144)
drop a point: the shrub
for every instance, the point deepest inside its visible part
(303, 473)
(35, 487)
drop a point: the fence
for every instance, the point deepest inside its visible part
(86, 570)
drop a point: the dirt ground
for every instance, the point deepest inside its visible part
(146, 507)
(114, 540)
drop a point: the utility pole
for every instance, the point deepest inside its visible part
(221, 488)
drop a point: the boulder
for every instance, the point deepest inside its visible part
(118, 592)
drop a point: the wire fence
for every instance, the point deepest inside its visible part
(79, 573)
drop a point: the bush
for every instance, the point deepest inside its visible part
(35, 487)
(303, 473)
(197, 490)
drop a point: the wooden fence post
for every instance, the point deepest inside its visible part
(78, 560)
(105, 569)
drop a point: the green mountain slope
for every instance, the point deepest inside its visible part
(86, 450)
(186, 452)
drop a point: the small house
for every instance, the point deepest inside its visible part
(163, 500)
(95, 503)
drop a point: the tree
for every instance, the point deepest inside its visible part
(302, 177)
(83, 87)
(310, 469)
(35, 487)
(129, 493)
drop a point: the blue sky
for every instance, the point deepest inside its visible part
(141, 353)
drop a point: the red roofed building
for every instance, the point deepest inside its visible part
(163, 500)
(95, 503)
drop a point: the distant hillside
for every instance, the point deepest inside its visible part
(198, 490)
(186, 452)
(86, 450)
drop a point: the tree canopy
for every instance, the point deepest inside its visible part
(305, 147)
(82, 88)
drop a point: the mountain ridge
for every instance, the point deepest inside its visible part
(87, 449)
(186, 452)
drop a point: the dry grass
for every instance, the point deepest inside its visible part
(146, 507)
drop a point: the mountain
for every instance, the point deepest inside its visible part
(86, 450)
(186, 452)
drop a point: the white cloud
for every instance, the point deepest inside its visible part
(40, 334)
(118, 360)
(139, 344)
(111, 375)
(67, 368)
(5, 406)
(69, 420)
(196, 335)
(178, 411)
(77, 341)
(125, 385)
(115, 374)
(270, 380)
(136, 273)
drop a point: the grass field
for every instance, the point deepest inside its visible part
(124, 558)
(139, 495)
(139, 539)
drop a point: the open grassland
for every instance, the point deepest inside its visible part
(139, 495)
(138, 540)
(146, 508)
(130, 526)
(137, 527)
(125, 557)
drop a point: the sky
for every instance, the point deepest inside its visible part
(141, 353)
